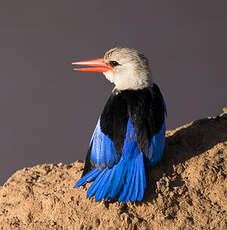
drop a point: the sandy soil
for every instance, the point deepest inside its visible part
(187, 190)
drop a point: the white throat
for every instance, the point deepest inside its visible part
(129, 79)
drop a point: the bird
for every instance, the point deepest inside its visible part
(129, 137)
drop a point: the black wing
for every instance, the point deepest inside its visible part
(147, 113)
(114, 120)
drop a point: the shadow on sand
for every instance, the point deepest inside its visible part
(181, 145)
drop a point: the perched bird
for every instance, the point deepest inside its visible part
(130, 132)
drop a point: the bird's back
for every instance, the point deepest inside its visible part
(129, 132)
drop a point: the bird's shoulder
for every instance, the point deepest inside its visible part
(145, 108)
(114, 119)
(120, 105)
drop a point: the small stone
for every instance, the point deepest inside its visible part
(97, 222)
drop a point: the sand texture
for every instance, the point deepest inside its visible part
(187, 190)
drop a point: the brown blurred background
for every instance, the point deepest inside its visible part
(48, 112)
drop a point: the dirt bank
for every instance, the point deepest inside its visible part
(187, 190)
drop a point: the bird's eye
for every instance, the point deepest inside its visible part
(114, 63)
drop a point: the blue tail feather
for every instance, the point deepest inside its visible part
(136, 184)
(142, 178)
(88, 177)
(107, 186)
(131, 185)
(101, 184)
(124, 191)
(91, 191)
(125, 181)
(118, 180)
(100, 190)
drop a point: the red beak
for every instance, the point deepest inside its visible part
(101, 66)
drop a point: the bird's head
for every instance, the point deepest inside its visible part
(126, 68)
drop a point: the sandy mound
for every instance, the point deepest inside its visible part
(187, 190)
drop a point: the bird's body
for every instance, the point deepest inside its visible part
(130, 132)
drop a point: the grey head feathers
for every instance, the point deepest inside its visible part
(130, 69)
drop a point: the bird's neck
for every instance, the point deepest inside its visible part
(144, 86)
(135, 84)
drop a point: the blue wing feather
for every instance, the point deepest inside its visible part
(156, 147)
(103, 154)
